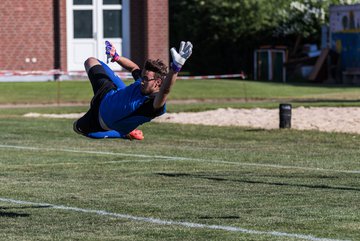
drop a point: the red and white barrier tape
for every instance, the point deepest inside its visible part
(53, 72)
(8, 73)
(25, 73)
(221, 76)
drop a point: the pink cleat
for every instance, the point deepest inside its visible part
(136, 135)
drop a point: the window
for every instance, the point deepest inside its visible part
(112, 23)
(115, 2)
(83, 24)
(82, 2)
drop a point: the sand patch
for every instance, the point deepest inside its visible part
(330, 119)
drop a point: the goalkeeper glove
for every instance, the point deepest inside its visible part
(111, 52)
(179, 58)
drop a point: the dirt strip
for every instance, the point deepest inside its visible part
(329, 119)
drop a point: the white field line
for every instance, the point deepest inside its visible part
(171, 222)
(177, 158)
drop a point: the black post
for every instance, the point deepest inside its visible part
(285, 115)
(57, 41)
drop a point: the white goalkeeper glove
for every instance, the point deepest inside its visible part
(179, 58)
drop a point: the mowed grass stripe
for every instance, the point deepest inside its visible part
(75, 163)
(172, 158)
(170, 222)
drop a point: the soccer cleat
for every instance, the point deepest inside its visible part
(135, 135)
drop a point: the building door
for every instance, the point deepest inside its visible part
(89, 24)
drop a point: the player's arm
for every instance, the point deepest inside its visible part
(165, 88)
(122, 61)
(178, 60)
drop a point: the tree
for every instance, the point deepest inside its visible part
(226, 32)
(305, 17)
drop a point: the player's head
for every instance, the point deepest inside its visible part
(153, 74)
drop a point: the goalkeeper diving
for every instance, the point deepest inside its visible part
(116, 110)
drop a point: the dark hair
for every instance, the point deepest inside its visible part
(157, 66)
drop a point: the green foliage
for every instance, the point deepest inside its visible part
(223, 32)
(226, 32)
(225, 20)
(305, 17)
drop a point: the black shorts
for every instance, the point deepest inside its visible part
(101, 85)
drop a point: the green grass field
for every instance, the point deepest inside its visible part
(182, 182)
(222, 93)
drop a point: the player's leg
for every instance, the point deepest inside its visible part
(134, 135)
(91, 62)
(96, 73)
(114, 78)
(106, 134)
(82, 126)
(101, 85)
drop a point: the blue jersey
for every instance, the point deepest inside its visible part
(126, 108)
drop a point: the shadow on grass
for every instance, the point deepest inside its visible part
(324, 101)
(255, 130)
(220, 217)
(219, 179)
(16, 214)
(13, 214)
